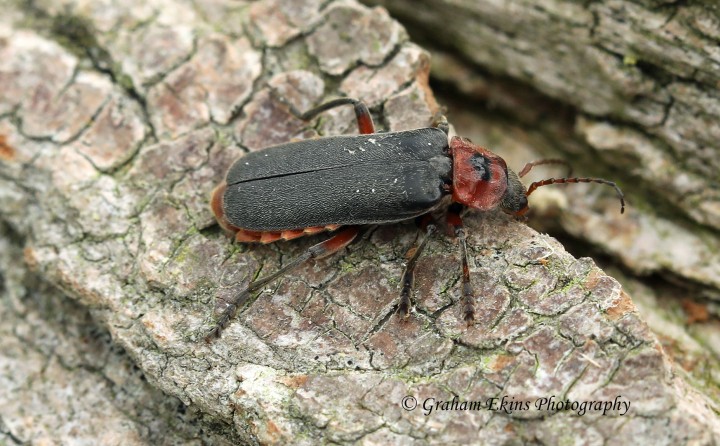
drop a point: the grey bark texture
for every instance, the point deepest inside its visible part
(116, 122)
(635, 90)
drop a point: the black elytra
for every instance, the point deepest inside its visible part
(339, 180)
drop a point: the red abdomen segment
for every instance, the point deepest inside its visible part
(246, 235)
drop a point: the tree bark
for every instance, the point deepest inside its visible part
(625, 89)
(116, 124)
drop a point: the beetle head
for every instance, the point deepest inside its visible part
(515, 200)
(482, 180)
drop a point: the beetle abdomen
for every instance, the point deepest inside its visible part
(355, 194)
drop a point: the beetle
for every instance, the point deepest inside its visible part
(339, 183)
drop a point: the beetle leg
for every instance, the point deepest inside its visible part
(455, 222)
(362, 114)
(226, 309)
(408, 277)
(441, 122)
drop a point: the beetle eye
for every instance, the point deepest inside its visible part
(524, 207)
(523, 203)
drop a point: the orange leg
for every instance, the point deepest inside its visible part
(226, 309)
(362, 114)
